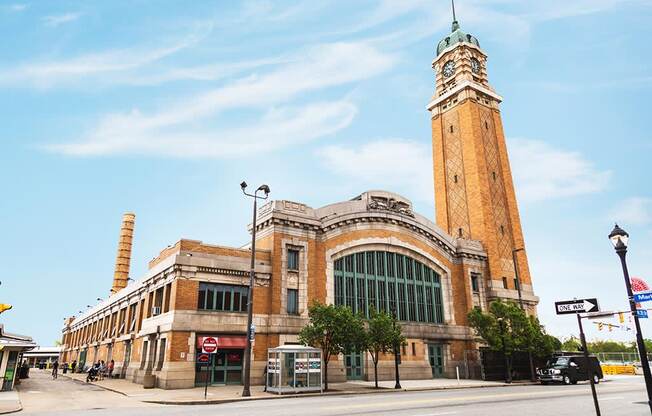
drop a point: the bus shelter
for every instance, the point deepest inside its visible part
(293, 369)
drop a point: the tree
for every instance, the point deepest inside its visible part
(381, 336)
(505, 328)
(571, 344)
(334, 329)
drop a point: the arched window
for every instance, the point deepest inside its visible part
(390, 282)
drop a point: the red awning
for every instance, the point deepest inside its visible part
(225, 342)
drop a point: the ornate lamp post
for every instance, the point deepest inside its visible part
(619, 239)
(250, 299)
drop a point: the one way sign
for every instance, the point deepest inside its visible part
(576, 306)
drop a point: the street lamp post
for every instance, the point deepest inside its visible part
(250, 298)
(397, 352)
(619, 239)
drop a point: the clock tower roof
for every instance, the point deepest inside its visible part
(456, 36)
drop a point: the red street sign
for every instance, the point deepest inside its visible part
(203, 358)
(209, 345)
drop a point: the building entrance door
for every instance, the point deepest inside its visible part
(354, 364)
(227, 367)
(436, 359)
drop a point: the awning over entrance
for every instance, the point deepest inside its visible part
(225, 341)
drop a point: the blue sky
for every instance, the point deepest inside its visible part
(163, 109)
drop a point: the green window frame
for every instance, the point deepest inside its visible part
(292, 301)
(389, 281)
(223, 298)
(293, 259)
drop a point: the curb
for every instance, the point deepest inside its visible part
(369, 390)
(332, 393)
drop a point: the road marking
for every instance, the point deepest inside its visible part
(438, 414)
(550, 393)
(611, 398)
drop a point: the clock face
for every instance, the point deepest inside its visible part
(475, 66)
(449, 69)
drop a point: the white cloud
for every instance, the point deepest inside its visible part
(634, 211)
(59, 19)
(317, 68)
(49, 73)
(543, 172)
(277, 128)
(399, 165)
(17, 7)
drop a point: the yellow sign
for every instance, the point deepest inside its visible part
(4, 307)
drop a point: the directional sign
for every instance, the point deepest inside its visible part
(209, 345)
(642, 313)
(203, 358)
(643, 297)
(576, 306)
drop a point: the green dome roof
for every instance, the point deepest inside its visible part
(456, 36)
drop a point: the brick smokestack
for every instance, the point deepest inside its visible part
(123, 257)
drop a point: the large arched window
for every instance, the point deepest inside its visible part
(389, 281)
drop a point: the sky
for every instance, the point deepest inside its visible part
(163, 108)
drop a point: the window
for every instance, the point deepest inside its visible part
(166, 300)
(475, 282)
(293, 259)
(143, 355)
(414, 349)
(293, 301)
(451, 129)
(459, 231)
(505, 282)
(396, 283)
(219, 297)
(161, 354)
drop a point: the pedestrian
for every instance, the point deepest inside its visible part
(102, 369)
(65, 368)
(110, 368)
(73, 366)
(55, 369)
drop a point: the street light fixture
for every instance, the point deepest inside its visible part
(246, 392)
(619, 238)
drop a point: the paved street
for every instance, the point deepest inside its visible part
(619, 396)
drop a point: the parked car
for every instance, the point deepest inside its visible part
(569, 369)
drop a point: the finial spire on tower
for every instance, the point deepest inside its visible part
(455, 25)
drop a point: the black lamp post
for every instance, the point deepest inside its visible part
(397, 352)
(619, 239)
(250, 298)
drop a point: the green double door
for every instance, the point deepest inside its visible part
(436, 359)
(354, 364)
(225, 368)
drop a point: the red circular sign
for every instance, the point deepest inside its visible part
(209, 345)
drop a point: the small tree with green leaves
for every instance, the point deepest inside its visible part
(505, 328)
(334, 329)
(381, 336)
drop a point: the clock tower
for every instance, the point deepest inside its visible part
(474, 191)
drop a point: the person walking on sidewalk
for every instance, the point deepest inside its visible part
(55, 369)
(73, 366)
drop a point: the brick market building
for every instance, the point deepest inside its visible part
(373, 250)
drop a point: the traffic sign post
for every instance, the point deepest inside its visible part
(641, 313)
(579, 306)
(208, 348)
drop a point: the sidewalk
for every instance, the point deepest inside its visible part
(226, 394)
(9, 402)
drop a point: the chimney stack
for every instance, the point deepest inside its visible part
(123, 257)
